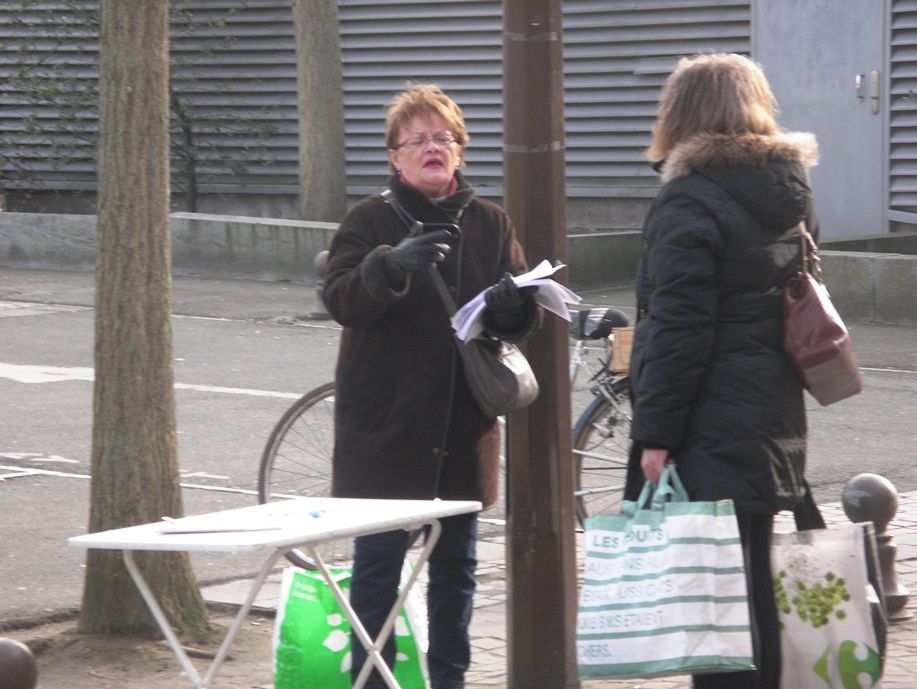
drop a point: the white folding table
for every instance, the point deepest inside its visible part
(276, 528)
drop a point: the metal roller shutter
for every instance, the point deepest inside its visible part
(902, 183)
(236, 72)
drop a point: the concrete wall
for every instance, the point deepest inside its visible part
(231, 246)
(600, 259)
(224, 246)
(865, 285)
(583, 214)
(872, 286)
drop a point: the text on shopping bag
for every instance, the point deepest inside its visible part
(664, 591)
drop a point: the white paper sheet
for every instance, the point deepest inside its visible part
(468, 321)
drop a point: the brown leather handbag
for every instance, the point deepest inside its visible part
(814, 337)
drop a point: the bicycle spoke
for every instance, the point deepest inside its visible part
(600, 449)
(297, 462)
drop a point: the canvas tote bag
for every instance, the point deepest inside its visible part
(664, 589)
(828, 588)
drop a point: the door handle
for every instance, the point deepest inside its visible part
(874, 91)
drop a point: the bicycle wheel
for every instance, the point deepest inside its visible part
(600, 449)
(296, 462)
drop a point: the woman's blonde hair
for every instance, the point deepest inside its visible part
(423, 99)
(717, 93)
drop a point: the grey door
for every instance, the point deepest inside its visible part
(825, 60)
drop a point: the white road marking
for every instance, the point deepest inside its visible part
(887, 370)
(36, 457)
(57, 374)
(18, 472)
(11, 308)
(201, 474)
(44, 374)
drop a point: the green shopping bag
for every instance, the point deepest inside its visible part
(312, 635)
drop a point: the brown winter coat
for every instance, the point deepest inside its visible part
(400, 393)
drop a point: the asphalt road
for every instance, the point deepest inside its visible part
(241, 358)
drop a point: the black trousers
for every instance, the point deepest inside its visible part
(755, 531)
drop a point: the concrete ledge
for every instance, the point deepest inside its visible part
(890, 243)
(864, 285)
(872, 286)
(203, 245)
(601, 259)
(229, 246)
(50, 242)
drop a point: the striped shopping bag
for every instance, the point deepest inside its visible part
(664, 590)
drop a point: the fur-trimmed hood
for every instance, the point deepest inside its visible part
(756, 150)
(767, 175)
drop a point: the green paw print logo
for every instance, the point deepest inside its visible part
(849, 666)
(813, 603)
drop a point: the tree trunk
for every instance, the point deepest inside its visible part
(322, 185)
(134, 456)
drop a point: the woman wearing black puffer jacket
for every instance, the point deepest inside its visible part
(713, 391)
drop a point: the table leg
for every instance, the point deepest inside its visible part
(374, 648)
(166, 627)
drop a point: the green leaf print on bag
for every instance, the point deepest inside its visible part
(812, 603)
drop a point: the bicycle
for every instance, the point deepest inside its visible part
(296, 460)
(601, 434)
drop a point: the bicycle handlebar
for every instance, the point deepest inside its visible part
(596, 323)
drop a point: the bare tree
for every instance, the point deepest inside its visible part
(134, 456)
(55, 82)
(322, 186)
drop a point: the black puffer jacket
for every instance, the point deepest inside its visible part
(711, 382)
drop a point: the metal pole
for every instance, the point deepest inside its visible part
(541, 558)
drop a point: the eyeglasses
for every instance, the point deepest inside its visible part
(442, 139)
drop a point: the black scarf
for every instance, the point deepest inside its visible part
(423, 208)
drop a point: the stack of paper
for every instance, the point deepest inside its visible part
(468, 321)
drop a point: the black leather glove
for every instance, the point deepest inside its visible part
(504, 301)
(505, 296)
(418, 253)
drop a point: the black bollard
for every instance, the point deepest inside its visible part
(17, 666)
(873, 498)
(320, 312)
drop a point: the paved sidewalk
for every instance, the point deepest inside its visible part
(488, 627)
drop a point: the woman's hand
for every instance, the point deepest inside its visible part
(505, 296)
(652, 462)
(414, 254)
(505, 300)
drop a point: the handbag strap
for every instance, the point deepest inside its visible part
(443, 292)
(810, 261)
(415, 227)
(806, 514)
